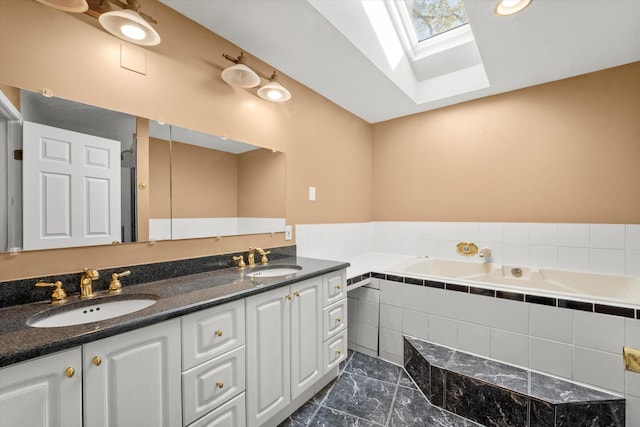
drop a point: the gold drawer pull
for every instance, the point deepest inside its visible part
(69, 372)
(219, 384)
(338, 352)
(219, 332)
(97, 360)
(288, 297)
(338, 287)
(338, 320)
(296, 293)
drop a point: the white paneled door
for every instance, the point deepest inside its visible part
(71, 188)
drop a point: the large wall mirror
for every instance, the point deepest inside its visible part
(199, 185)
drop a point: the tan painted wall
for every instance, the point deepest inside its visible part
(567, 151)
(70, 54)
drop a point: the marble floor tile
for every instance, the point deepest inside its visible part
(327, 417)
(405, 380)
(372, 367)
(411, 408)
(344, 363)
(302, 416)
(322, 394)
(363, 397)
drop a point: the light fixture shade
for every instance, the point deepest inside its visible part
(274, 92)
(76, 6)
(239, 75)
(510, 7)
(128, 25)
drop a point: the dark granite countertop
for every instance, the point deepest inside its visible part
(175, 297)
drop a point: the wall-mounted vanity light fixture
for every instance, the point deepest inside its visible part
(510, 7)
(240, 75)
(127, 22)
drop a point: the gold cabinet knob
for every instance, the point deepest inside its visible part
(219, 332)
(338, 352)
(97, 360)
(69, 372)
(288, 297)
(219, 384)
(296, 293)
(338, 287)
(338, 319)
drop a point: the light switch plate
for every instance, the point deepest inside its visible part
(312, 193)
(288, 232)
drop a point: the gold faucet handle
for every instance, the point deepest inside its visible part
(264, 258)
(115, 287)
(90, 273)
(58, 296)
(240, 260)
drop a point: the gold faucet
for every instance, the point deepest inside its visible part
(86, 282)
(115, 287)
(240, 260)
(263, 254)
(58, 296)
(251, 258)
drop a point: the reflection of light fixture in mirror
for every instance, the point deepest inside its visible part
(76, 6)
(128, 25)
(274, 91)
(239, 75)
(510, 7)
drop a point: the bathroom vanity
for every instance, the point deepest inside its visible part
(217, 348)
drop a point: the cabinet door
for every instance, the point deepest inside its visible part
(43, 392)
(335, 351)
(334, 318)
(306, 333)
(231, 414)
(268, 354)
(133, 379)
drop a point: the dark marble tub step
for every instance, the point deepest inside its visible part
(496, 394)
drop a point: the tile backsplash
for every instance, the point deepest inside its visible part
(596, 248)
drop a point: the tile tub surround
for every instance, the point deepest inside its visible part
(24, 292)
(493, 393)
(175, 297)
(371, 392)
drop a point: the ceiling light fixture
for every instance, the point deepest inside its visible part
(127, 23)
(240, 75)
(510, 7)
(75, 6)
(274, 91)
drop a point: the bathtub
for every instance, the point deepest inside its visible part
(591, 287)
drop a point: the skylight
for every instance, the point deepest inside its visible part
(430, 18)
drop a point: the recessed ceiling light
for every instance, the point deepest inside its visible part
(510, 7)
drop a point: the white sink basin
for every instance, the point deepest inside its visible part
(106, 308)
(275, 271)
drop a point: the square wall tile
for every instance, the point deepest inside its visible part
(599, 369)
(632, 232)
(445, 231)
(632, 383)
(632, 267)
(543, 256)
(607, 236)
(543, 234)
(551, 323)
(474, 339)
(632, 333)
(469, 231)
(607, 261)
(599, 331)
(516, 233)
(391, 293)
(368, 313)
(416, 324)
(573, 235)
(574, 259)
(352, 308)
(391, 317)
(551, 357)
(442, 302)
(510, 347)
(415, 298)
(632, 412)
(443, 331)
(491, 232)
(473, 308)
(391, 342)
(392, 358)
(515, 254)
(367, 336)
(510, 315)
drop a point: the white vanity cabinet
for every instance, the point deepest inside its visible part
(133, 379)
(46, 391)
(334, 320)
(284, 347)
(213, 363)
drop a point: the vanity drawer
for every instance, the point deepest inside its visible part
(209, 333)
(212, 383)
(231, 413)
(335, 351)
(334, 319)
(334, 288)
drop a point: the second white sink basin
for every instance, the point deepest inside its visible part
(275, 271)
(103, 309)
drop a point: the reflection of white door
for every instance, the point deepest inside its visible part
(71, 188)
